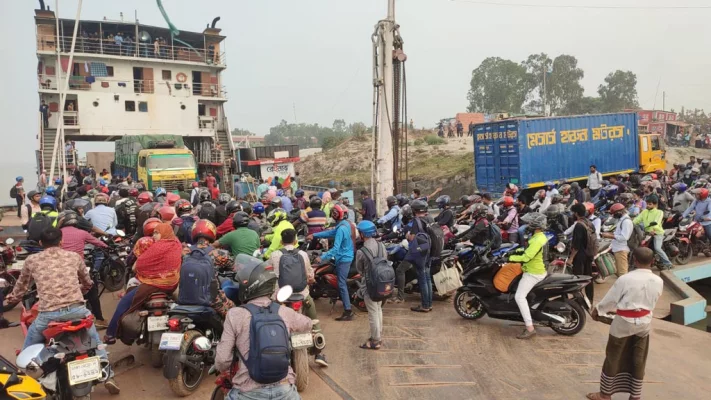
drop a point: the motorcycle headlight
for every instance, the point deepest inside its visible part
(560, 247)
(33, 370)
(202, 344)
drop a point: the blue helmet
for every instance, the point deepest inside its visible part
(160, 192)
(258, 208)
(443, 201)
(19, 178)
(680, 187)
(299, 193)
(102, 182)
(367, 228)
(280, 193)
(549, 184)
(51, 191)
(58, 181)
(48, 201)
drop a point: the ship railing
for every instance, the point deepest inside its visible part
(161, 51)
(115, 85)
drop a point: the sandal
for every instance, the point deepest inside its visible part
(595, 396)
(420, 309)
(370, 345)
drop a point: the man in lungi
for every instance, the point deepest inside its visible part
(632, 298)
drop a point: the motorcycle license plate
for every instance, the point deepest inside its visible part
(170, 341)
(86, 370)
(301, 340)
(158, 323)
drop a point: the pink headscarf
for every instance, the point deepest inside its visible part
(326, 198)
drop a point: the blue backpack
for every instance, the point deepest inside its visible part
(269, 347)
(196, 276)
(185, 231)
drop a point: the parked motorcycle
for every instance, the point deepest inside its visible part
(558, 301)
(326, 285)
(152, 321)
(112, 272)
(692, 240)
(67, 366)
(189, 346)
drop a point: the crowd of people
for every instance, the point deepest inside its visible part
(260, 237)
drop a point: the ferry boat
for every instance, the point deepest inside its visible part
(127, 78)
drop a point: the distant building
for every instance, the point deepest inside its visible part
(248, 141)
(656, 121)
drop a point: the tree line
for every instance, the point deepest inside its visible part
(500, 85)
(310, 135)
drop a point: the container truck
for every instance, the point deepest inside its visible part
(531, 151)
(157, 160)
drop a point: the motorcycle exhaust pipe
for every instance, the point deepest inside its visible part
(554, 318)
(319, 341)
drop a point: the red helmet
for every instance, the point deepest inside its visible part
(589, 207)
(133, 192)
(104, 190)
(145, 198)
(654, 176)
(617, 207)
(167, 213)
(171, 198)
(508, 201)
(182, 207)
(150, 225)
(338, 212)
(204, 229)
(195, 184)
(702, 193)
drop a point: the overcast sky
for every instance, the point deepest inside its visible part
(315, 55)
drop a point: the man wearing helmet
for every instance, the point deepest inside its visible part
(241, 240)
(534, 270)
(446, 216)
(30, 209)
(480, 233)
(221, 213)
(315, 219)
(418, 255)
(622, 234)
(257, 283)
(126, 212)
(705, 168)
(508, 220)
(44, 219)
(102, 216)
(542, 202)
(278, 219)
(682, 198)
(702, 210)
(341, 253)
(391, 219)
(300, 201)
(579, 259)
(371, 248)
(19, 191)
(160, 195)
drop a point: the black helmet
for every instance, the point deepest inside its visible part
(67, 218)
(205, 196)
(246, 207)
(406, 212)
(535, 220)
(240, 220)
(315, 203)
(443, 201)
(72, 186)
(254, 279)
(232, 207)
(276, 202)
(402, 200)
(418, 206)
(391, 200)
(465, 201)
(31, 194)
(78, 203)
(224, 198)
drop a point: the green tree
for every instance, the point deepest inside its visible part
(583, 105)
(619, 91)
(339, 126)
(498, 85)
(242, 132)
(562, 82)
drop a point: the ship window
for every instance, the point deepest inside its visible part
(109, 71)
(167, 75)
(130, 105)
(143, 106)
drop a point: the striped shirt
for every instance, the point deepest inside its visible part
(315, 220)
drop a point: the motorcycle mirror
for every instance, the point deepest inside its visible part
(9, 241)
(3, 283)
(202, 344)
(120, 233)
(284, 293)
(28, 354)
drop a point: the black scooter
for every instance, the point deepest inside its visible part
(557, 302)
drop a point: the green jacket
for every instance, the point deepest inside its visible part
(647, 216)
(275, 238)
(532, 258)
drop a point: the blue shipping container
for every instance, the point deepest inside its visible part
(528, 152)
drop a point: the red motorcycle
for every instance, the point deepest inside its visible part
(692, 240)
(326, 285)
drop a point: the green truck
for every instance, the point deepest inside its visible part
(157, 160)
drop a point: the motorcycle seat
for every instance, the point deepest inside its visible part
(446, 253)
(550, 278)
(191, 310)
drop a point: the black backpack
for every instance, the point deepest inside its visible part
(591, 246)
(196, 274)
(292, 270)
(495, 233)
(436, 234)
(39, 223)
(636, 237)
(208, 211)
(186, 228)
(13, 192)
(126, 213)
(269, 347)
(379, 275)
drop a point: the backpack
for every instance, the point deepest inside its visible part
(591, 248)
(269, 347)
(208, 211)
(495, 233)
(126, 213)
(292, 270)
(13, 192)
(435, 234)
(39, 223)
(636, 238)
(186, 229)
(379, 275)
(196, 274)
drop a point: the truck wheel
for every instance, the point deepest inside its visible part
(300, 363)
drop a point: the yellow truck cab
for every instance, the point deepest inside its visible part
(158, 160)
(652, 155)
